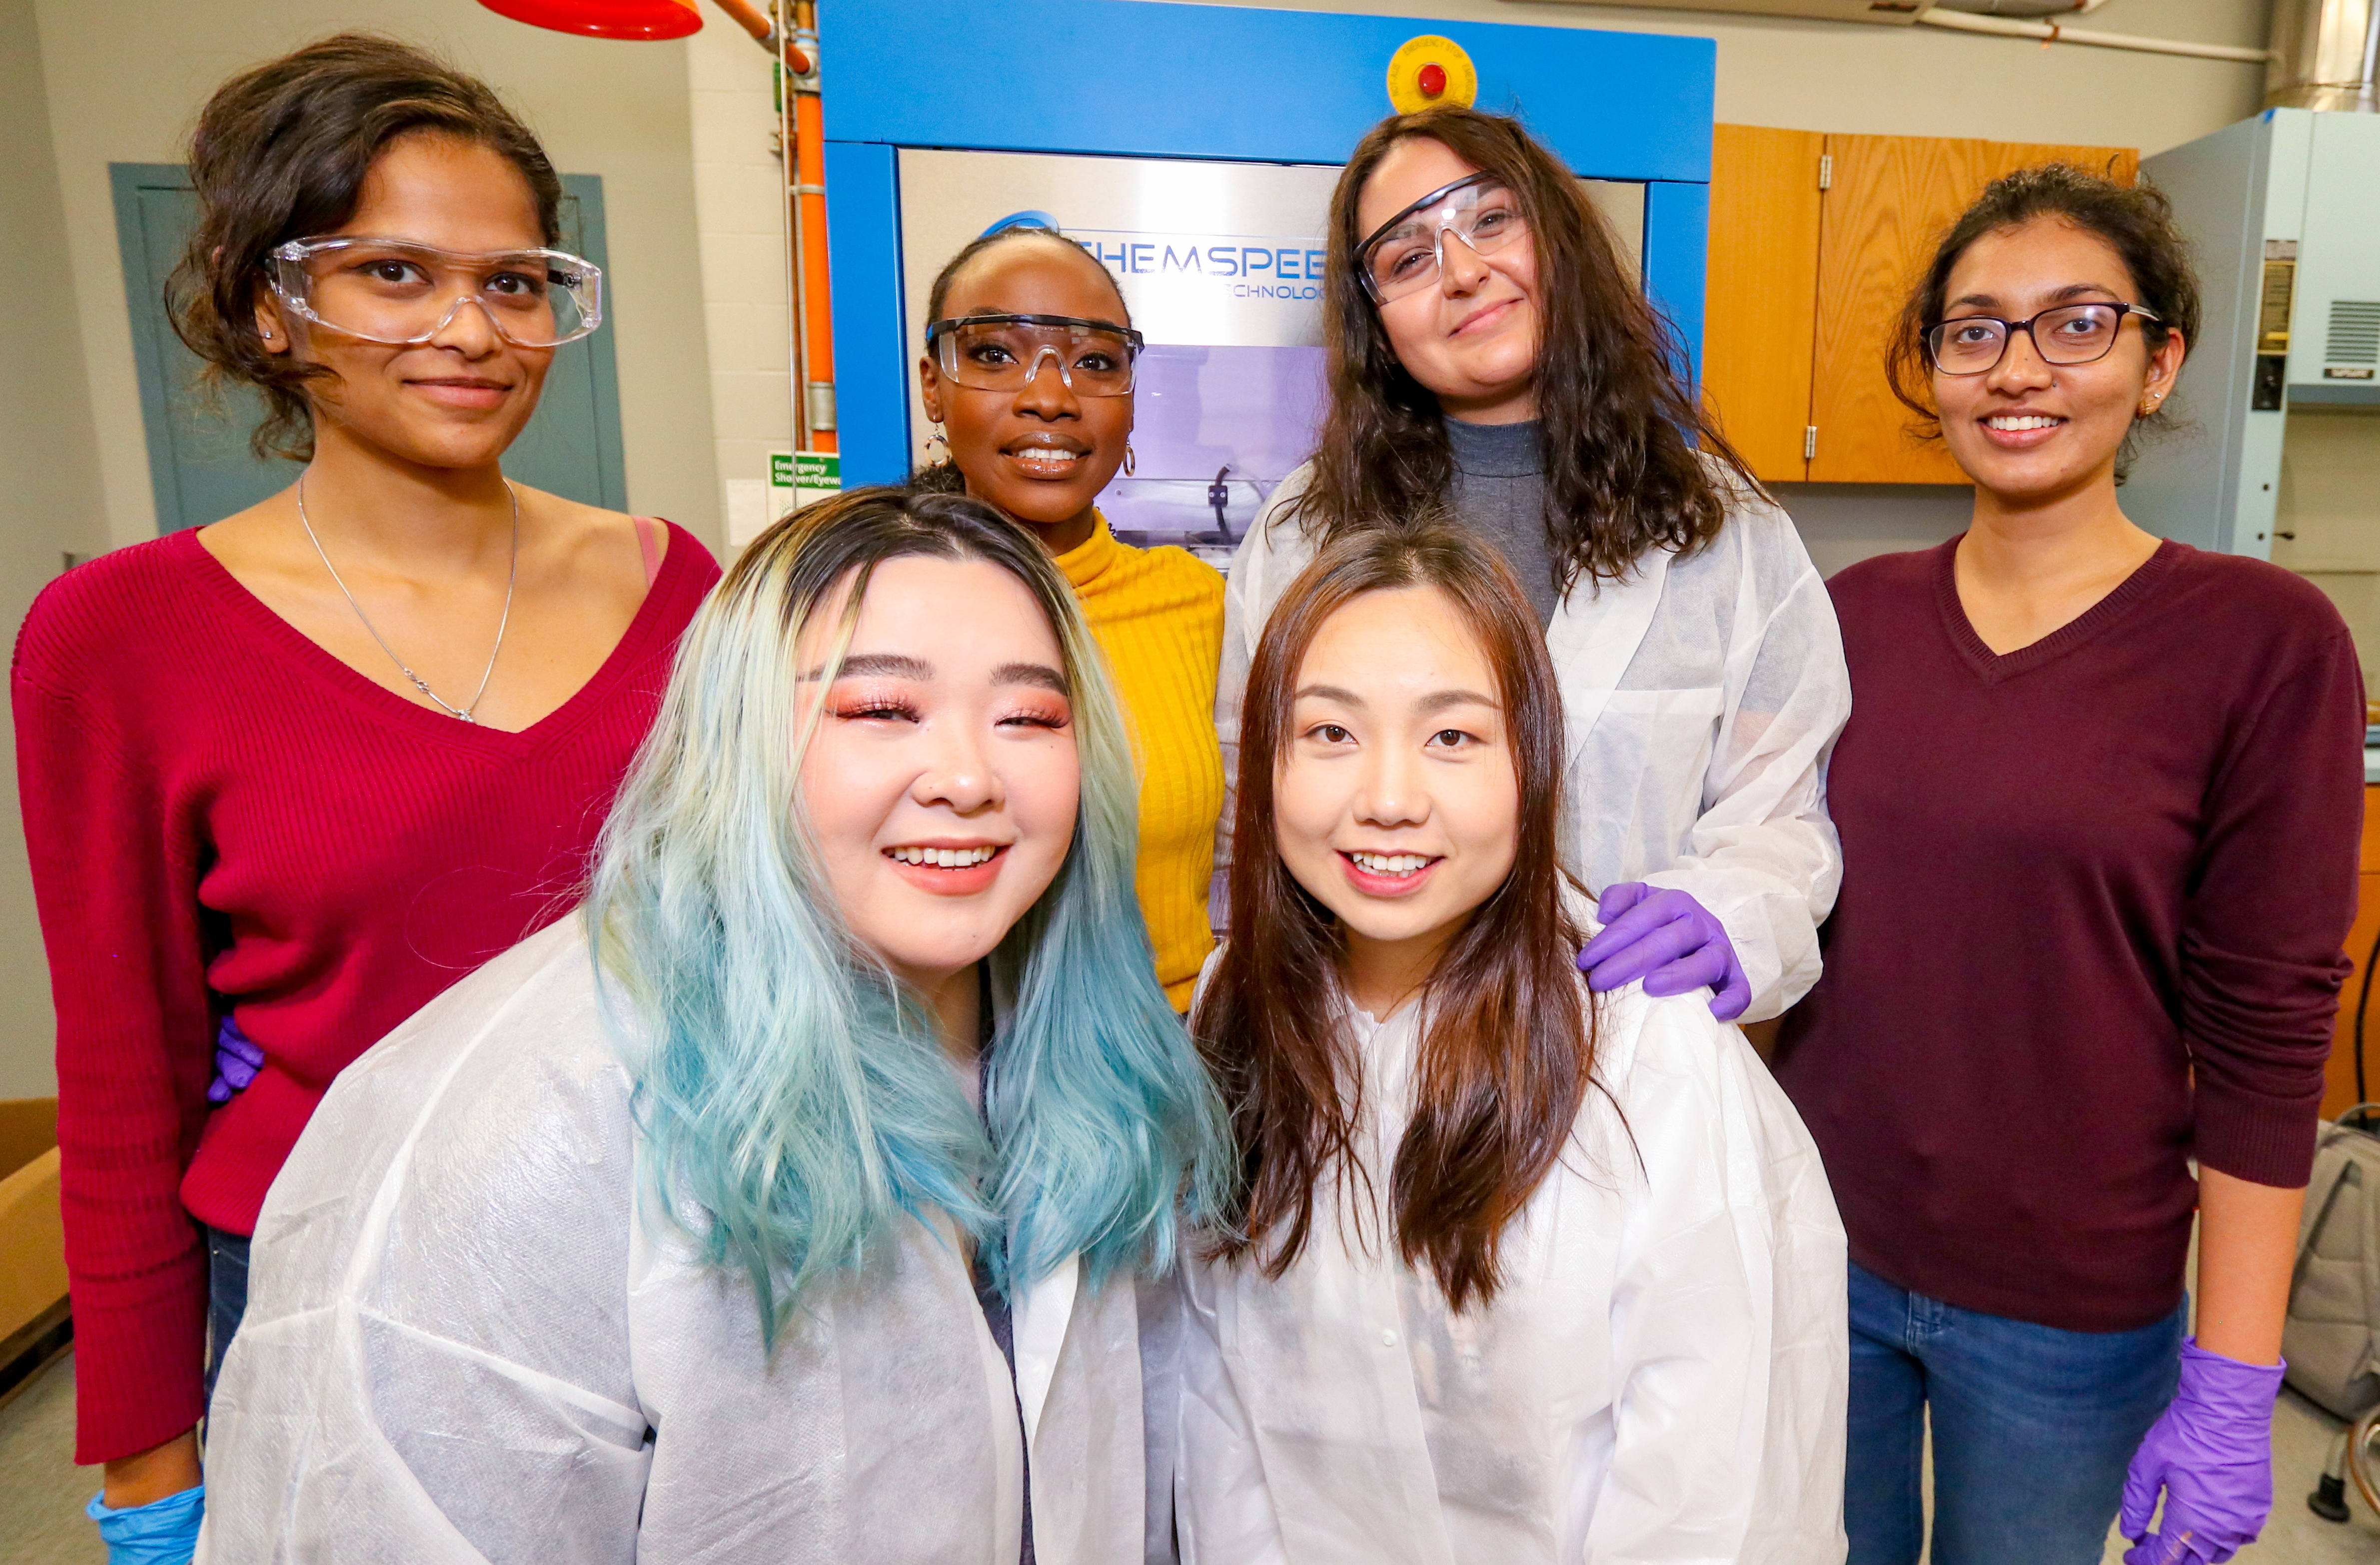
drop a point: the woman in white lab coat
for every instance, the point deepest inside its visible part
(1521, 1273)
(790, 1204)
(1489, 351)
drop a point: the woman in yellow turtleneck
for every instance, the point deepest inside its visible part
(1028, 370)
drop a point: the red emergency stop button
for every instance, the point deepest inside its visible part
(1430, 70)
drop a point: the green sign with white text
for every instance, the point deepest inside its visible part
(818, 470)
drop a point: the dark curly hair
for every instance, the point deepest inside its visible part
(1619, 425)
(2137, 222)
(280, 152)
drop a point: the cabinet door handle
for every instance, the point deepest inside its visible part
(2290, 536)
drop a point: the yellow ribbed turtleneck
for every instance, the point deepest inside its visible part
(1158, 614)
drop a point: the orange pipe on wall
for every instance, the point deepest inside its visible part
(810, 163)
(743, 13)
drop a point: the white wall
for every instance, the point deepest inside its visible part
(126, 78)
(746, 276)
(49, 487)
(1928, 81)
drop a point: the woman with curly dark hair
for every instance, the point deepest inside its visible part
(1490, 353)
(287, 777)
(2099, 803)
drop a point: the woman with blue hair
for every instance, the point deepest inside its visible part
(788, 1204)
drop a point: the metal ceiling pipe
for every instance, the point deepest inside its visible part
(2027, 8)
(2053, 32)
(2325, 54)
(2004, 18)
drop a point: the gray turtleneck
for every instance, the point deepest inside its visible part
(1500, 493)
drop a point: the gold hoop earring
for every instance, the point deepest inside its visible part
(1129, 460)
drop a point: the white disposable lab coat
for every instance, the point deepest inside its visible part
(464, 1345)
(1662, 1378)
(1702, 697)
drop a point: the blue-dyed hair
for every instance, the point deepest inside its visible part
(795, 1100)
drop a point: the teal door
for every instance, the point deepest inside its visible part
(198, 460)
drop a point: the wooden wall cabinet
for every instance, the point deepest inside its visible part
(1814, 240)
(2339, 1085)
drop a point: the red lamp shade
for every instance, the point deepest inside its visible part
(643, 20)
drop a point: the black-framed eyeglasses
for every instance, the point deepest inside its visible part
(1404, 255)
(2072, 334)
(1003, 353)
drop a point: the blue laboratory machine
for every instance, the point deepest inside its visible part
(1193, 148)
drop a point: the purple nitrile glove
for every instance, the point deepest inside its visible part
(236, 1063)
(1668, 940)
(2211, 1455)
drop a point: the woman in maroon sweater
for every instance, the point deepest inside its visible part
(2099, 798)
(286, 777)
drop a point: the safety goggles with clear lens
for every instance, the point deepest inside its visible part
(1005, 353)
(1404, 254)
(396, 292)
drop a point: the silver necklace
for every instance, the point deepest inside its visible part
(418, 682)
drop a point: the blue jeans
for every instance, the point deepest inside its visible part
(2032, 1428)
(226, 1296)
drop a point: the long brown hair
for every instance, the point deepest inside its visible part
(1507, 1044)
(1618, 425)
(2136, 222)
(280, 152)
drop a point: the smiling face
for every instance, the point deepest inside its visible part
(1472, 338)
(942, 780)
(2026, 430)
(460, 399)
(1396, 799)
(1043, 453)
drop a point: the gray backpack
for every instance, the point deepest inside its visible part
(2332, 1337)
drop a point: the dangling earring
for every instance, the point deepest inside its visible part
(1129, 461)
(938, 438)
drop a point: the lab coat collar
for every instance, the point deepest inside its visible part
(1593, 637)
(1038, 1327)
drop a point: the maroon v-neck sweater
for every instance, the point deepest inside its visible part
(223, 818)
(2094, 895)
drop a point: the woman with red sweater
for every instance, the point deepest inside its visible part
(2100, 797)
(287, 777)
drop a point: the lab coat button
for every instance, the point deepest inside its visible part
(1388, 1339)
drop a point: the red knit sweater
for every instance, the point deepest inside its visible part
(223, 818)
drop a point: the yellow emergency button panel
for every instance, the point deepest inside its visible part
(1430, 70)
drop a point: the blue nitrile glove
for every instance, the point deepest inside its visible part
(2211, 1453)
(1668, 940)
(236, 1063)
(164, 1532)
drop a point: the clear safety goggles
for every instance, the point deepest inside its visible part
(1404, 254)
(1005, 353)
(400, 293)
